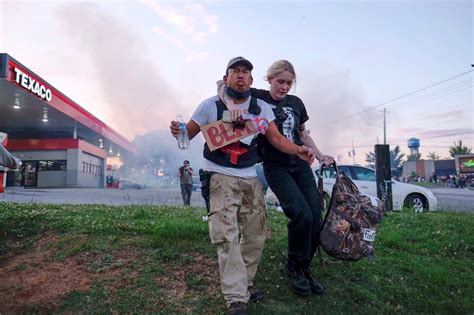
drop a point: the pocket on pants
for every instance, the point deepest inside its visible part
(264, 225)
(216, 231)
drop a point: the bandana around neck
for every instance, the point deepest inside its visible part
(236, 94)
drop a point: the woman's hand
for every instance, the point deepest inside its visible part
(236, 114)
(327, 159)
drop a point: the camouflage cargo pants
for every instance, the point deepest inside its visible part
(237, 226)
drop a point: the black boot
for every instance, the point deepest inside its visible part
(314, 284)
(296, 279)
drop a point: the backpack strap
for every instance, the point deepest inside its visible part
(321, 200)
(321, 189)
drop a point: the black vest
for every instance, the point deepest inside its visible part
(250, 158)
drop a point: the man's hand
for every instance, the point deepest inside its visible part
(192, 126)
(306, 154)
(174, 128)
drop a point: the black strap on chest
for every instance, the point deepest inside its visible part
(221, 157)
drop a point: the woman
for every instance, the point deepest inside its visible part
(292, 179)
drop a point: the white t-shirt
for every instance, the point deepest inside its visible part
(206, 113)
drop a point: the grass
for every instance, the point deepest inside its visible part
(156, 259)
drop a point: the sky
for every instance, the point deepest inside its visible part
(138, 64)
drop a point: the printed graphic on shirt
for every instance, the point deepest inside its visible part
(289, 123)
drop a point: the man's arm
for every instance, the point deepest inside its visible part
(284, 145)
(192, 126)
(308, 141)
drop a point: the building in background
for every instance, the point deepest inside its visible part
(59, 143)
(460, 165)
(465, 164)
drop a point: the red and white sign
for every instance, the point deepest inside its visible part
(219, 134)
(32, 85)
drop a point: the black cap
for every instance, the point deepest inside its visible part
(238, 60)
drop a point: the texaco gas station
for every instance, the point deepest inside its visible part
(59, 143)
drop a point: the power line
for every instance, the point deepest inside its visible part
(403, 96)
(422, 99)
(435, 94)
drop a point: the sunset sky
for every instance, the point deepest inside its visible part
(137, 64)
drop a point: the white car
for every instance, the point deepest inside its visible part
(408, 195)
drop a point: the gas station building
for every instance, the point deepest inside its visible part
(59, 143)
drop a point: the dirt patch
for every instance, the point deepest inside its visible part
(33, 278)
(203, 267)
(36, 280)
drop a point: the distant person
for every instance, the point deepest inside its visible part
(237, 214)
(185, 174)
(434, 177)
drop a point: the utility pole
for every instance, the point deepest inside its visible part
(353, 154)
(385, 126)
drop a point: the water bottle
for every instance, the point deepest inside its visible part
(183, 139)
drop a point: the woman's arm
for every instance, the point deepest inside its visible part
(308, 141)
(284, 145)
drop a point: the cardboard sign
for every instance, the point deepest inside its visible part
(219, 134)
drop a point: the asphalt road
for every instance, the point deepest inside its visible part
(114, 197)
(454, 199)
(450, 199)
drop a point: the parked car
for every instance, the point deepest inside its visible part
(130, 184)
(408, 195)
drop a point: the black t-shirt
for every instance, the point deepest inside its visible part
(292, 115)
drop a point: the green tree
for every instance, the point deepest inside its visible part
(396, 159)
(370, 159)
(433, 156)
(413, 157)
(458, 149)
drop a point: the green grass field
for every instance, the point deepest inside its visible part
(151, 259)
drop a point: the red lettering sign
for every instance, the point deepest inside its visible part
(214, 136)
(219, 134)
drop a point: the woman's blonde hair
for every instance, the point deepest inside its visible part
(278, 67)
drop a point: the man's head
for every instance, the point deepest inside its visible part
(186, 163)
(239, 74)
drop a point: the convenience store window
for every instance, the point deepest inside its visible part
(52, 165)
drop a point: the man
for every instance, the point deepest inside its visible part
(6, 158)
(185, 174)
(236, 200)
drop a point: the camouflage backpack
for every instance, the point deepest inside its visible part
(351, 221)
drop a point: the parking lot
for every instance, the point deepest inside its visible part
(451, 199)
(115, 197)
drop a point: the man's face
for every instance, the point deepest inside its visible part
(239, 78)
